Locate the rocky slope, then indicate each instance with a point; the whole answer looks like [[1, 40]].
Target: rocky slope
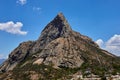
[[60, 47]]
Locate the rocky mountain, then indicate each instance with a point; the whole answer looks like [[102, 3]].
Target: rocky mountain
[[58, 49]]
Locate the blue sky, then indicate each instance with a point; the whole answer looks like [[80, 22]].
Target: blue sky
[[23, 20]]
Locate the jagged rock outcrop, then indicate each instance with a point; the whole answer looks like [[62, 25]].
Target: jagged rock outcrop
[[60, 47], [17, 55], [59, 27]]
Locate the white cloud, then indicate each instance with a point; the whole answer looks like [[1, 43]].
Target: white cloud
[[11, 27], [22, 2], [112, 45], [100, 42]]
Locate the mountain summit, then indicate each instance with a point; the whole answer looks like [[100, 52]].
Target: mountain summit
[[59, 48], [58, 27]]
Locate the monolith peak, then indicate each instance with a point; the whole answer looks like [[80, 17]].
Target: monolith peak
[[58, 27], [59, 53]]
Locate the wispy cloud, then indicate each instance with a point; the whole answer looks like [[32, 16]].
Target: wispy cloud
[[22, 2], [37, 9], [11, 27], [112, 45]]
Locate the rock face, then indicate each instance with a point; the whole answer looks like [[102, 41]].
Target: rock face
[[60, 47], [55, 29], [17, 55]]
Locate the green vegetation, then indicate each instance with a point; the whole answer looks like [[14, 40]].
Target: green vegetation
[[45, 72]]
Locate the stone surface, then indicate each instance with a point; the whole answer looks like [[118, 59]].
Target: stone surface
[[38, 61], [17, 55]]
